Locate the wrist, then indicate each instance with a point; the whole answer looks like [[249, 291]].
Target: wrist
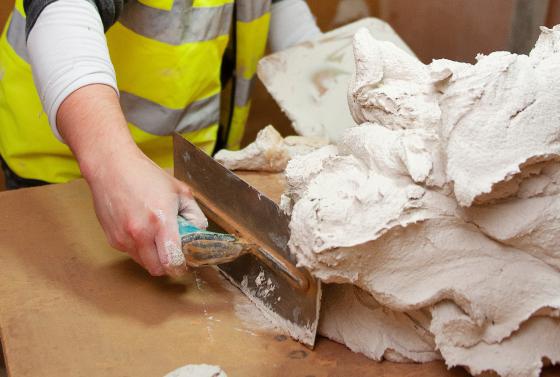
[[106, 157]]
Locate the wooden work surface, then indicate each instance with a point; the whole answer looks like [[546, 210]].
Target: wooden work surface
[[72, 306]]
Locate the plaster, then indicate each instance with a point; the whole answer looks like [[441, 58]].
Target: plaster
[[441, 207]]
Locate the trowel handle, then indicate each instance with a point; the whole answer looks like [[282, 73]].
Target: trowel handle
[[204, 248]]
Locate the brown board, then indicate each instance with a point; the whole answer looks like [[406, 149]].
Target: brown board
[[72, 306]]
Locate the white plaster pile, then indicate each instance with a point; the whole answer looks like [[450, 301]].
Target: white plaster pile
[[269, 152], [198, 370], [439, 215]]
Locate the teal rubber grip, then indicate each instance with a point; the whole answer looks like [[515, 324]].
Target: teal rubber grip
[[189, 232], [185, 227]]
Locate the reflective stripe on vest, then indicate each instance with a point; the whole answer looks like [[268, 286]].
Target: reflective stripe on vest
[[182, 24], [243, 89], [16, 35], [251, 10], [159, 120]]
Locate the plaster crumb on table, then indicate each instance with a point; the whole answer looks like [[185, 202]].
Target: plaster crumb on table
[[198, 370]]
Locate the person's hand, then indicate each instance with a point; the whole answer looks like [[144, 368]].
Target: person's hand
[[137, 205], [136, 202]]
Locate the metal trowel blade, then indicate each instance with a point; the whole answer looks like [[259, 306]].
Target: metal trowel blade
[[288, 295]]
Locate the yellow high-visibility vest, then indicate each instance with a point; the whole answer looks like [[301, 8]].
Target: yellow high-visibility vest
[[167, 56]]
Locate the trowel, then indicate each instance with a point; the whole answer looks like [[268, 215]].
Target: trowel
[[250, 246]]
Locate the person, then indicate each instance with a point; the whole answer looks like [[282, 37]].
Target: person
[[114, 79]]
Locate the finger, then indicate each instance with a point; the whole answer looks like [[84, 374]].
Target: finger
[[148, 255], [118, 240], [169, 247], [190, 211], [133, 253], [123, 244]]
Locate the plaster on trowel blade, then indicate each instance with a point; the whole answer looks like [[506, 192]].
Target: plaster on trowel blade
[[240, 209]]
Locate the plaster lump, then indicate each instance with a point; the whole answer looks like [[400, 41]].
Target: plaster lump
[[438, 215], [269, 152]]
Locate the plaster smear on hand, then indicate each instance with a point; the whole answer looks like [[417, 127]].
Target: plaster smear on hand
[[442, 205], [269, 152]]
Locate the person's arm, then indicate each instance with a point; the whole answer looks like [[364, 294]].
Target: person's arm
[[291, 23], [136, 202]]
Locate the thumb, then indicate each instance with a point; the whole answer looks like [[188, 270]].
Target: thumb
[[191, 212]]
